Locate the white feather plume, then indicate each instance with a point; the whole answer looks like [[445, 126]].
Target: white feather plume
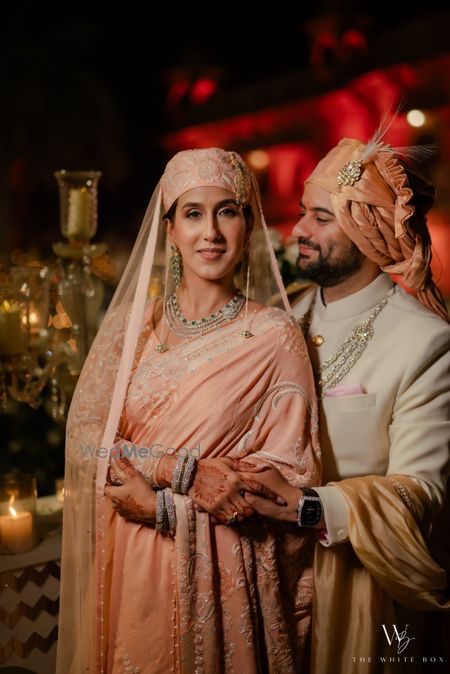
[[416, 153], [410, 154], [375, 144]]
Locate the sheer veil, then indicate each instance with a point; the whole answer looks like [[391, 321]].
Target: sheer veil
[[94, 418]]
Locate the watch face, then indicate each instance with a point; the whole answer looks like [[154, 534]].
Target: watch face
[[310, 511]]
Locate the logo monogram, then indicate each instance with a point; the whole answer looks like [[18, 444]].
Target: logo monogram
[[401, 637]]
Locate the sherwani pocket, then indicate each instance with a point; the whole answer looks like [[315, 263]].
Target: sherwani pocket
[[352, 436]]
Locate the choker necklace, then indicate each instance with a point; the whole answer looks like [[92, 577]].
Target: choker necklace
[[339, 364], [188, 329]]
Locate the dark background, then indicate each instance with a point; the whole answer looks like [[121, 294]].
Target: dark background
[[85, 86]]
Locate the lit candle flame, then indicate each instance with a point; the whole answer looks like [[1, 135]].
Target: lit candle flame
[[11, 509], [34, 318]]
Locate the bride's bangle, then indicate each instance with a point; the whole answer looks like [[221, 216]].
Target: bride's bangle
[[183, 473], [189, 473], [165, 512]]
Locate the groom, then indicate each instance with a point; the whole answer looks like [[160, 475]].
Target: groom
[[382, 362], [381, 356]]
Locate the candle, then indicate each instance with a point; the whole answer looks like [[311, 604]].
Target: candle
[[12, 333], [79, 215], [35, 318], [16, 531]]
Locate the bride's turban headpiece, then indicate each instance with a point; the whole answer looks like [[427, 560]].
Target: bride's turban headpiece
[[212, 167]]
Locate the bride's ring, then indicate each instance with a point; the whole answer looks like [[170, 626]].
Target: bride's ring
[[114, 479], [232, 518]]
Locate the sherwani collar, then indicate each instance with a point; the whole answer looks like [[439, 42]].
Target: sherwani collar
[[354, 304]]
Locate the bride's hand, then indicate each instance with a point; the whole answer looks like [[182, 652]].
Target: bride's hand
[[218, 488], [134, 499]]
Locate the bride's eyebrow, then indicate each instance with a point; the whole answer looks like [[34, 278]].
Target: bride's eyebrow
[[196, 204], [226, 202]]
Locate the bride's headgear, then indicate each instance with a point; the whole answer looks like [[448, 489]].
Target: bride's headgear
[[381, 204], [212, 167]]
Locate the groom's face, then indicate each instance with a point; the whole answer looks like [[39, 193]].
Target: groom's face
[[326, 254]]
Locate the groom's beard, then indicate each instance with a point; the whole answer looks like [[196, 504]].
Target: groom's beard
[[329, 268]]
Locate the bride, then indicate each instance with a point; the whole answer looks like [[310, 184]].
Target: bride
[[165, 566]]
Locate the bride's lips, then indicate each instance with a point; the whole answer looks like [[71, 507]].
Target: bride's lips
[[211, 253]]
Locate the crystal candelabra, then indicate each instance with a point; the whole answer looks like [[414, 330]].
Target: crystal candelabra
[[24, 335], [48, 317], [80, 292]]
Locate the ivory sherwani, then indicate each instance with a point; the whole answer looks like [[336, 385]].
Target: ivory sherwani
[[401, 423]]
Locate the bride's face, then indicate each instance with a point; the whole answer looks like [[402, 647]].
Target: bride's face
[[209, 228]]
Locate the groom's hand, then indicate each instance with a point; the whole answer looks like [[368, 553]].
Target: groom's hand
[[275, 482]]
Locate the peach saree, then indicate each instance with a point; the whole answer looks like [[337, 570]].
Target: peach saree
[[215, 598]]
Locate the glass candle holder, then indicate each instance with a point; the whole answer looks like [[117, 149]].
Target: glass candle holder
[[14, 315], [78, 203], [17, 513], [34, 285]]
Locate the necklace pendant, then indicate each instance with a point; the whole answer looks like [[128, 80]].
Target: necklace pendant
[[160, 348], [317, 340], [246, 334]]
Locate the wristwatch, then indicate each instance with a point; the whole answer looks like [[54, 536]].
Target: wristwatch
[[309, 511]]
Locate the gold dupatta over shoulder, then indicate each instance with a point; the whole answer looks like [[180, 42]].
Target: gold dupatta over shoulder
[[384, 578]]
